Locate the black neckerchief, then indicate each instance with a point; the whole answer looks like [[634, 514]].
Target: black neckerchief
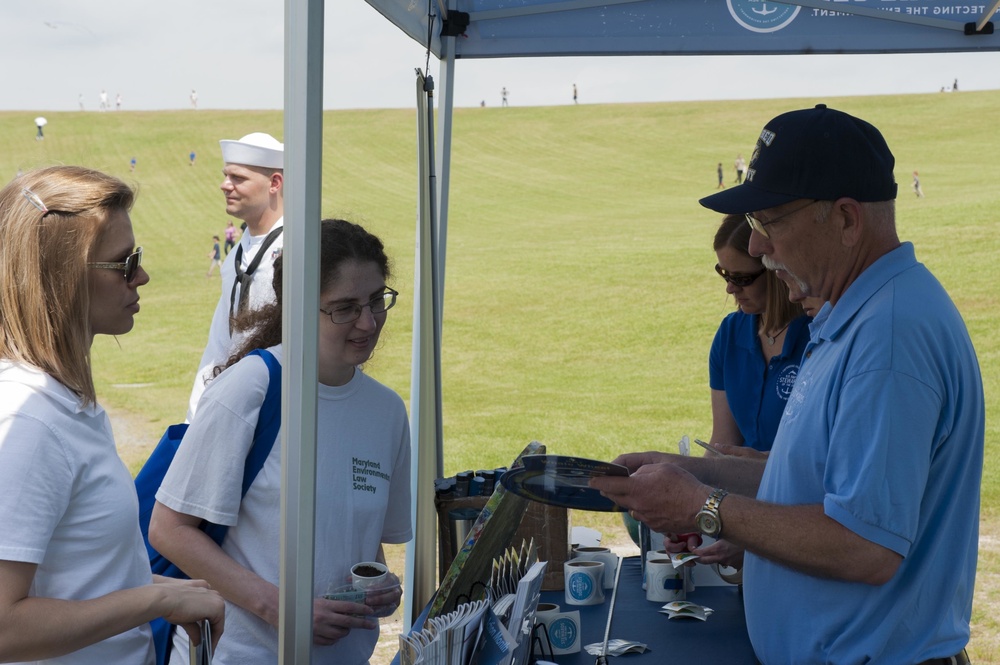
[[245, 277]]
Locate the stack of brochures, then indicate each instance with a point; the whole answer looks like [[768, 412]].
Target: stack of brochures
[[496, 630]]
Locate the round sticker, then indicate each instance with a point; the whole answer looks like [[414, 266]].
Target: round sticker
[[562, 633]]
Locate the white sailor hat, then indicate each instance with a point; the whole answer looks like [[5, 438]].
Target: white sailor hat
[[257, 149]]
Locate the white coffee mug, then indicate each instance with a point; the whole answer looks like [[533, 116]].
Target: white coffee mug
[[368, 575], [605, 556], [584, 582], [664, 583]]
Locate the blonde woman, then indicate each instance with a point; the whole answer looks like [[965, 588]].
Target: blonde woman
[[75, 583]]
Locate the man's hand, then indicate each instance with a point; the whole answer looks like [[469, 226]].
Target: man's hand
[[662, 495]]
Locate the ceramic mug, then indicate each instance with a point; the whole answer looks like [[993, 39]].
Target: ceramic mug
[[664, 583], [584, 582], [368, 575], [605, 556]]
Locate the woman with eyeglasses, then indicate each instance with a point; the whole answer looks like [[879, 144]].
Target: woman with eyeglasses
[[362, 468], [75, 582], [756, 352]]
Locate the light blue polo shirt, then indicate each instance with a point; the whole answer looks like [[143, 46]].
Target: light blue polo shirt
[[885, 429]]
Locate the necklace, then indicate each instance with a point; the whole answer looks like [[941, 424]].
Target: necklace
[[771, 338]]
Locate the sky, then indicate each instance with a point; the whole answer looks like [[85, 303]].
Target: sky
[[60, 53]]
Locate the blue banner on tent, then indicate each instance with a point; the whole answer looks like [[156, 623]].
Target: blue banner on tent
[[500, 28]]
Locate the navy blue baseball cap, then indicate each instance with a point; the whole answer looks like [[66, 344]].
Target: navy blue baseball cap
[[818, 153]]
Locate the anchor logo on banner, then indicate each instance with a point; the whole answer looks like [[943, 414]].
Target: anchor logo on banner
[[762, 16]]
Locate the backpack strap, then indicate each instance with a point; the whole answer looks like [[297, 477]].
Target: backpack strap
[[268, 421], [264, 435]]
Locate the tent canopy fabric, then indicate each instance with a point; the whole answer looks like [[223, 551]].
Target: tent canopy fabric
[[508, 28]]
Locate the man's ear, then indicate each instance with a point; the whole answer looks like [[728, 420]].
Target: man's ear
[[277, 181], [850, 216]]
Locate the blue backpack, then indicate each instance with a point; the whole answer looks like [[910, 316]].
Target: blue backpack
[[148, 480]]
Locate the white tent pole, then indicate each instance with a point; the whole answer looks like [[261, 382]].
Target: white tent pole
[[446, 101], [425, 393], [303, 137], [425, 426]]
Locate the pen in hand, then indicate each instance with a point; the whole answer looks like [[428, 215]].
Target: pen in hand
[[707, 447]]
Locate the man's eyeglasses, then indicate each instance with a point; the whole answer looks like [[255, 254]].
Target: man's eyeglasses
[[130, 266], [758, 225], [740, 279], [350, 312]]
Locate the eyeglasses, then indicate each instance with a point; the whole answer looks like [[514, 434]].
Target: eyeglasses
[[130, 265], [740, 279], [758, 225], [350, 312]]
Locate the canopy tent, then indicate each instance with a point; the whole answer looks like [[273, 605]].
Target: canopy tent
[[455, 29]]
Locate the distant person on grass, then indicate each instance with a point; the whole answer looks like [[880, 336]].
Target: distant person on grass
[[214, 255], [74, 573], [253, 185], [231, 234], [740, 165], [718, 172], [872, 488]]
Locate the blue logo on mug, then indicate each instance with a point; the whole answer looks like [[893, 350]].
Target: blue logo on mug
[[580, 586]]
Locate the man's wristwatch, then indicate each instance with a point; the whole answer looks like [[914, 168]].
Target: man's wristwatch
[[708, 520]]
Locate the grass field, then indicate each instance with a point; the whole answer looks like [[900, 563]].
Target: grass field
[[580, 296]]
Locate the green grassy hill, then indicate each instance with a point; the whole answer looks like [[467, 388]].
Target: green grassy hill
[[580, 293], [580, 296]]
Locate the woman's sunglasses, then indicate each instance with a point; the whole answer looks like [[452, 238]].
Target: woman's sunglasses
[[740, 279], [130, 266]]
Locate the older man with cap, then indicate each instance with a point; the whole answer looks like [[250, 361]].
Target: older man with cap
[[253, 184], [861, 529]]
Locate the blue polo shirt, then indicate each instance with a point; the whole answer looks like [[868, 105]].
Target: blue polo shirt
[[756, 390], [885, 430]]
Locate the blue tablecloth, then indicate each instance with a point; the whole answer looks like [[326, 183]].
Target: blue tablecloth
[[721, 640]]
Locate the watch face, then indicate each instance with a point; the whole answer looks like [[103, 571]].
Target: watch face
[[708, 524]]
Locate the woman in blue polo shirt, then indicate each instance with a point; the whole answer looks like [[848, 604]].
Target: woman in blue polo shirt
[[756, 352]]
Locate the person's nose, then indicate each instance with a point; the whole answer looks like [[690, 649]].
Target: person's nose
[[759, 245], [731, 288], [225, 185], [141, 278], [367, 319]]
